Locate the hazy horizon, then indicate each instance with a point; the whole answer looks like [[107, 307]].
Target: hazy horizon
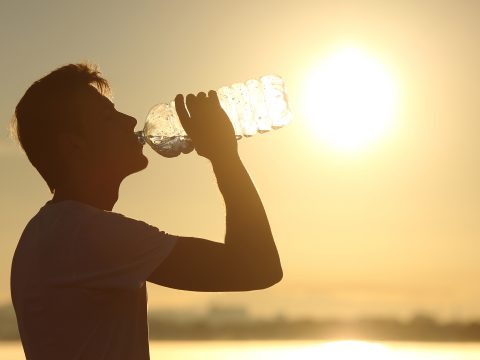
[[390, 229]]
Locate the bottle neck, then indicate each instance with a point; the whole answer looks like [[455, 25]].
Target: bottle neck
[[140, 137]]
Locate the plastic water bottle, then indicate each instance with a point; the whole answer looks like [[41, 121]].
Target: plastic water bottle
[[256, 106]]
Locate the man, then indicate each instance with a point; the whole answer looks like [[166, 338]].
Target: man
[[79, 270]]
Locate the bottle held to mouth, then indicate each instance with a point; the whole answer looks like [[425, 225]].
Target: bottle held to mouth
[[254, 107]]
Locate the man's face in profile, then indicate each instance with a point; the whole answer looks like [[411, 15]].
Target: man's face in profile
[[108, 145]]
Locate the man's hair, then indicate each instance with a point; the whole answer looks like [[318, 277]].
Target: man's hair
[[47, 108]]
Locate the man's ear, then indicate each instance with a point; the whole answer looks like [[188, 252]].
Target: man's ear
[[69, 144]]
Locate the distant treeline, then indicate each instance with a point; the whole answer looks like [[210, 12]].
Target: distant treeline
[[419, 328]]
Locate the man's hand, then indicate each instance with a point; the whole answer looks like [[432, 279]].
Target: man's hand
[[208, 125]]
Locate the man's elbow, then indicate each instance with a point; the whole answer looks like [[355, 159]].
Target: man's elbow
[[276, 278], [269, 279]]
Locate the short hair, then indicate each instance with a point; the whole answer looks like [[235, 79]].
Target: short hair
[[48, 107]]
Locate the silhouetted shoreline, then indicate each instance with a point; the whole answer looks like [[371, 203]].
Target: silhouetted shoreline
[[234, 323], [417, 329]]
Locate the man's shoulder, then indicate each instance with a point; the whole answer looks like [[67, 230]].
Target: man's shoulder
[[73, 219], [65, 208], [54, 219]]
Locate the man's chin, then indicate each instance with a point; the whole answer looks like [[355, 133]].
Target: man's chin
[[143, 163], [140, 164]]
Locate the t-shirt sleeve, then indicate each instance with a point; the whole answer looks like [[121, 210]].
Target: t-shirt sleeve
[[113, 251]]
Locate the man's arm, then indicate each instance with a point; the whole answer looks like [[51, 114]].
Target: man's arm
[[248, 259]]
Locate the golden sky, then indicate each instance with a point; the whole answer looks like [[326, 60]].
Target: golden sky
[[390, 229]]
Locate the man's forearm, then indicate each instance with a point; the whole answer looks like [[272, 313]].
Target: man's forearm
[[248, 231]]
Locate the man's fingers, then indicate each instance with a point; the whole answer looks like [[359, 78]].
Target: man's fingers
[[180, 107], [191, 102], [201, 100], [212, 95], [182, 112]]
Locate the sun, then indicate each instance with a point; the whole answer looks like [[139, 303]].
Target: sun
[[350, 99]]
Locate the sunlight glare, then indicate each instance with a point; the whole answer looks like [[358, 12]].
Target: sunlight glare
[[352, 349], [350, 99]]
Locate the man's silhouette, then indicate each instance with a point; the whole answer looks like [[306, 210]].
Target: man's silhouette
[[79, 270]]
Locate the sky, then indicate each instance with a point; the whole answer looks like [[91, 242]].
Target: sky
[[390, 229]]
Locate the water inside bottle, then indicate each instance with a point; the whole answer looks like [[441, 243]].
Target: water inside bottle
[[170, 146]]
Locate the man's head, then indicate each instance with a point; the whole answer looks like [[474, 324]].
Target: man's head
[[68, 127]]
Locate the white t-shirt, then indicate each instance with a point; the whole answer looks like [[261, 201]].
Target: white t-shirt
[[78, 283]]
